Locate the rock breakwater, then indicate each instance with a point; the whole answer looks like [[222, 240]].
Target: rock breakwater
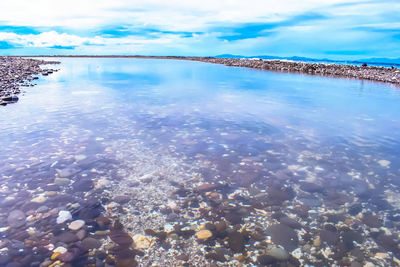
[[16, 72], [381, 74]]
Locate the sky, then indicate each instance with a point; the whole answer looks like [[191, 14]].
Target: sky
[[335, 29]]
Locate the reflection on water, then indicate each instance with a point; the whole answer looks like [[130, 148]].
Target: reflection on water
[[118, 162]]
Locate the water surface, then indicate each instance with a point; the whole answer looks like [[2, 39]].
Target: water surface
[[305, 162]]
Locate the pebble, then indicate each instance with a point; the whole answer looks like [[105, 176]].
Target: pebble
[[317, 242], [62, 181], [64, 216], [76, 225], [206, 187], [278, 253], [90, 243], [16, 218], [39, 199], [142, 241], [80, 157], [384, 163], [204, 234], [55, 255], [60, 249]]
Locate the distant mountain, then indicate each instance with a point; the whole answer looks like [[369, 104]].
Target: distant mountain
[[387, 62]]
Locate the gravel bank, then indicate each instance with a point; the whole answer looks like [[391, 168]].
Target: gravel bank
[[16, 72], [381, 74]]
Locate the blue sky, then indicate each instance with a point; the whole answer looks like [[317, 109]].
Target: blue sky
[[337, 29]]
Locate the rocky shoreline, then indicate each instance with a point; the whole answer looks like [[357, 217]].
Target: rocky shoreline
[[380, 74], [372, 73], [16, 72]]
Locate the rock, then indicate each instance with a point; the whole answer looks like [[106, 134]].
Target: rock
[[384, 163], [64, 216], [125, 262], [311, 187], [216, 257], [76, 225], [142, 241], [67, 237], [206, 187], [371, 220], [265, 260], [55, 255], [16, 218], [204, 234], [120, 237], [236, 242], [330, 237], [290, 222], [317, 242], [122, 199], [356, 264], [69, 171], [283, 235], [39, 199], [80, 157], [83, 185], [62, 181], [90, 243], [355, 209], [81, 234], [278, 253], [60, 249]]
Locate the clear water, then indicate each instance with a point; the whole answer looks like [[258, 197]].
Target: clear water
[[277, 145]]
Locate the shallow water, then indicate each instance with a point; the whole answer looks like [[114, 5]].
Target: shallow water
[[188, 143]]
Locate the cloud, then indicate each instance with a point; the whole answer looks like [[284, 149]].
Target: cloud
[[208, 27]]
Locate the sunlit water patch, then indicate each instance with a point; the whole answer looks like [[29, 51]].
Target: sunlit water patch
[[120, 162]]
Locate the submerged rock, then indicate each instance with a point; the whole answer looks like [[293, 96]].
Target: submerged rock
[[283, 235], [16, 218], [278, 253], [90, 243], [76, 225], [204, 234], [64, 216]]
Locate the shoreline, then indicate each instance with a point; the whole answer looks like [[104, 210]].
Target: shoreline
[[17, 72], [371, 73]]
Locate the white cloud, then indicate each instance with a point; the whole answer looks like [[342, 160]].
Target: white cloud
[[171, 15]]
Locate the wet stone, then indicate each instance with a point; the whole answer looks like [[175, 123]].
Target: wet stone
[[76, 225], [90, 243], [83, 185], [278, 253], [63, 216], [349, 237], [62, 181], [69, 171], [290, 222], [16, 218], [204, 234], [283, 235], [120, 237], [265, 260], [216, 256], [206, 187], [371, 220], [355, 209], [122, 199], [67, 237], [236, 242], [311, 187]]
